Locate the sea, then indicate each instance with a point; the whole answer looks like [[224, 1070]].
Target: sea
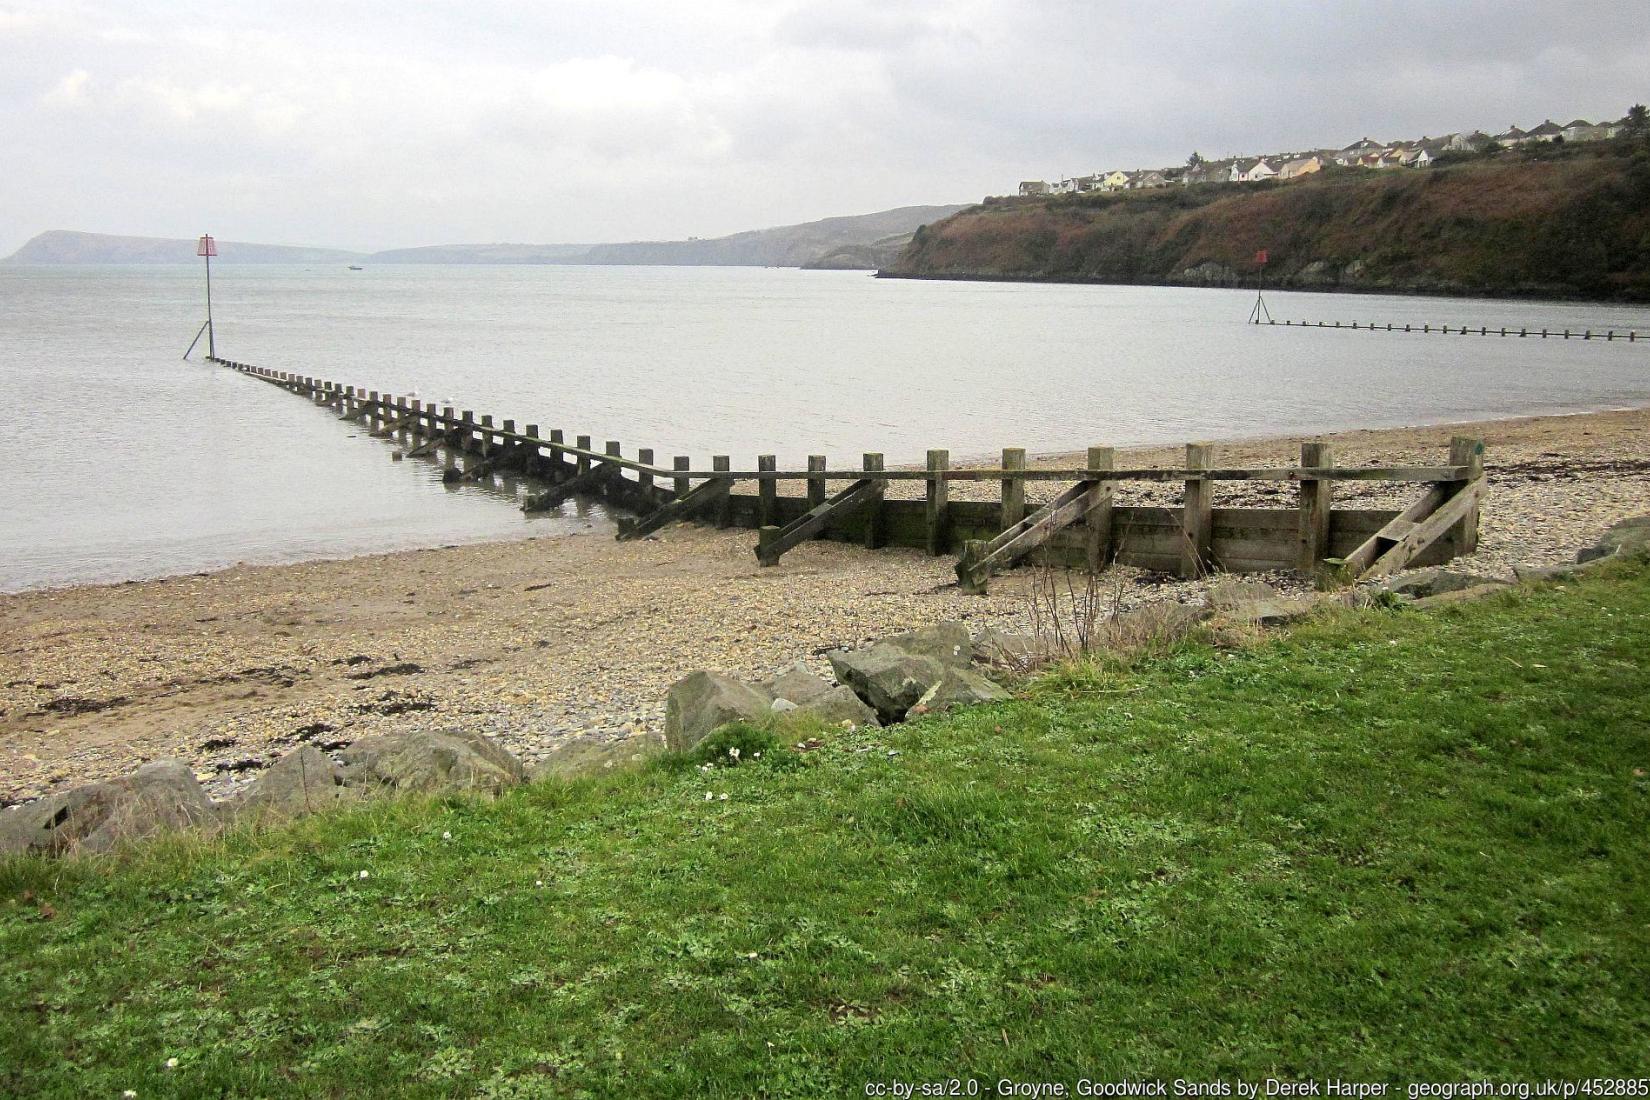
[[127, 461]]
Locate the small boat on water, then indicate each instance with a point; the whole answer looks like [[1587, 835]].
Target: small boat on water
[[355, 267]]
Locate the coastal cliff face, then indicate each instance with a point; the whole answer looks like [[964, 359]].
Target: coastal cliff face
[[1556, 222]]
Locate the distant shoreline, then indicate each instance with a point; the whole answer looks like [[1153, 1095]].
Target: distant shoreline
[[1534, 294]]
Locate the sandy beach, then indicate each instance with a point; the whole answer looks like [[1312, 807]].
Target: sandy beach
[[533, 641]]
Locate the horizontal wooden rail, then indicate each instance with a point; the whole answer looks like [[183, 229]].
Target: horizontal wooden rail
[[1144, 473]]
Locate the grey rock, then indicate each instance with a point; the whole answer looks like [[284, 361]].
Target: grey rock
[[1624, 537], [424, 760], [1273, 612], [839, 704], [782, 706], [704, 701], [1555, 572], [891, 680], [1010, 650], [161, 797], [1459, 595], [300, 783], [1434, 582], [947, 642], [1229, 592], [592, 754], [795, 684], [961, 687]]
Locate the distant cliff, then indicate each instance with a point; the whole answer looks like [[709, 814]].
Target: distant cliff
[[1551, 222], [62, 246], [784, 246], [863, 240]]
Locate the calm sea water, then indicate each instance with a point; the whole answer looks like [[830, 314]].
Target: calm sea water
[[126, 462]]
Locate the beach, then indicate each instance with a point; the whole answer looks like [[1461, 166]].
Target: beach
[[538, 640]]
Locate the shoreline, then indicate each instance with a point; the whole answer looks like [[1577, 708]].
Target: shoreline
[[1530, 294], [536, 640]]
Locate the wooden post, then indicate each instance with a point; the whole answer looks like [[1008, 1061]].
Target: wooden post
[[1197, 519], [534, 456], [1315, 502], [466, 429], [816, 485], [486, 435], [1014, 489], [873, 507], [1098, 520], [939, 499], [682, 462], [615, 451], [724, 509], [644, 478], [766, 490], [1468, 451], [583, 442]]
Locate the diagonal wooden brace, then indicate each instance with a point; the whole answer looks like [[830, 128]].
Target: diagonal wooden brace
[[1425, 532], [701, 496], [591, 479], [774, 541], [975, 567]]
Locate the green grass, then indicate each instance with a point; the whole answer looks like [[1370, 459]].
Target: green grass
[[1390, 845]]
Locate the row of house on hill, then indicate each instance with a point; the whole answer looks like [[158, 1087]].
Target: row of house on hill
[[1364, 153]]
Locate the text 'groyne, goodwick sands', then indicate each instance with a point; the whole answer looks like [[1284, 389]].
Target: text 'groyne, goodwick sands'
[[1081, 526]]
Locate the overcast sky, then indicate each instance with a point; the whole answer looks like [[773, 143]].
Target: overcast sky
[[377, 124]]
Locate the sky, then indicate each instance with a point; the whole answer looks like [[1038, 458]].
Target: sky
[[373, 124]]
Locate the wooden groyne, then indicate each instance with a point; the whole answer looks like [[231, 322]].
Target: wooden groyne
[[1608, 335], [1081, 527]]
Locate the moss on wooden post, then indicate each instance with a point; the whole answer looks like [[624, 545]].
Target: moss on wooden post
[[939, 494], [766, 491], [724, 506], [817, 491], [873, 506], [1316, 498], [1097, 521], [1197, 516], [1014, 488]]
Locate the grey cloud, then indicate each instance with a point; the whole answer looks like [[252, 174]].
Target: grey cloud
[[382, 124]]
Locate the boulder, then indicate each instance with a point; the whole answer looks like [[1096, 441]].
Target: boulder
[[1007, 649], [299, 783], [947, 642], [890, 679], [1562, 571], [960, 687], [593, 754], [704, 701], [839, 704], [161, 797], [1625, 537], [1459, 595], [1230, 592], [1434, 582], [796, 684], [424, 760]]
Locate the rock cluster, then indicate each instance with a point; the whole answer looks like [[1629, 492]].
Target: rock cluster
[[885, 682], [165, 797]]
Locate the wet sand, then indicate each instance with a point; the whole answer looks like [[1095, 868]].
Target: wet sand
[[533, 641]]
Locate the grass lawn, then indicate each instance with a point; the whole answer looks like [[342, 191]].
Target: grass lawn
[[1392, 845]]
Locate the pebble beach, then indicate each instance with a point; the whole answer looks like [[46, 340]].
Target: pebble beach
[[535, 641]]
